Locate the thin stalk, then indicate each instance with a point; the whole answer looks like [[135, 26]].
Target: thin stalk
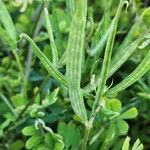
[[86, 137], [34, 33], [6, 101], [15, 125], [22, 73]]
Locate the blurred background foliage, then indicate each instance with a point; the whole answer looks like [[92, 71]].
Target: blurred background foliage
[[51, 103]]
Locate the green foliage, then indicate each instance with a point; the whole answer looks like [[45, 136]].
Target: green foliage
[[41, 139], [116, 124], [86, 85], [17, 145], [71, 135], [107, 56], [136, 146], [7, 22]]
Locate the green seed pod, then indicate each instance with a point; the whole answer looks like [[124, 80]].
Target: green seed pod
[[74, 59]]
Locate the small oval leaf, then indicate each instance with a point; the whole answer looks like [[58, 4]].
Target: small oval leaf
[[30, 130], [129, 114], [33, 141]]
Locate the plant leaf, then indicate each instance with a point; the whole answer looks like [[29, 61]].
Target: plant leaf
[[50, 99], [7, 39], [129, 114], [17, 145], [30, 130], [33, 141], [71, 135], [18, 100], [122, 126], [54, 141], [126, 144], [110, 134], [113, 104], [6, 20], [138, 145]]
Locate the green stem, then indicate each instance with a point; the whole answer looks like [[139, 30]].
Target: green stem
[[86, 137], [22, 73], [35, 31], [6, 101]]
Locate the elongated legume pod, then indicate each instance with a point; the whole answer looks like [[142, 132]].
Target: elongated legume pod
[[123, 55], [102, 31], [56, 28], [107, 57], [70, 7], [124, 51], [98, 47], [45, 61], [143, 67], [118, 60], [51, 38], [74, 59]]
